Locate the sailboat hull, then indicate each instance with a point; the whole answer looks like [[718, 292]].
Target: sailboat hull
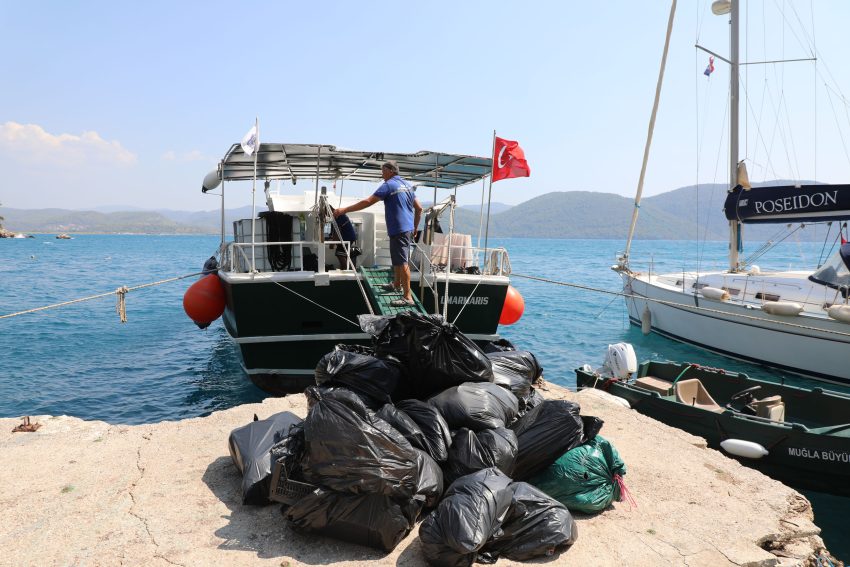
[[807, 344]]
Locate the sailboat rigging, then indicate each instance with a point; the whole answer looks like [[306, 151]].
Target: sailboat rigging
[[792, 320]]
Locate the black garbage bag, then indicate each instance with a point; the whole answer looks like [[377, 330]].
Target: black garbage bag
[[477, 406], [250, 447], [529, 402], [500, 345], [536, 526], [367, 519], [545, 433], [434, 353], [472, 510], [471, 451], [359, 349], [404, 424], [362, 373], [517, 363], [348, 448], [438, 436], [290, 451], [431, 481]]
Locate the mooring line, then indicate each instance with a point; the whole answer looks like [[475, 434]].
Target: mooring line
[[674, 304], [121, 292]]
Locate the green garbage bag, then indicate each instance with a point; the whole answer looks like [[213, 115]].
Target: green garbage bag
[[583, 478]]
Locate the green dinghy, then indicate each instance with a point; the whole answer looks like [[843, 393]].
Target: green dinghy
[[797, 435]]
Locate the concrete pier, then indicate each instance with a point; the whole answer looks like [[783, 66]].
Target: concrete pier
[[88, 493]]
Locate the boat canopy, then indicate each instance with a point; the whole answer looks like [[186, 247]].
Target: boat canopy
[[304, 161], [794, 203]]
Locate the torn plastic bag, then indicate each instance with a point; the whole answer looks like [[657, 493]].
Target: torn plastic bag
[[500, 345], [366, 519], [435, 354], [348, 448], [472, 510], [361, 373], [404, 424], [529, 402], [536, 526], [547, 432], [519, 363], [477, 406], [290, 451], [359, 349], [583, 478], [430, 482], [471, 451], [438, 436], [250, 447]]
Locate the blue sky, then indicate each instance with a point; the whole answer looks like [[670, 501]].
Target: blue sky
[[114, 103]]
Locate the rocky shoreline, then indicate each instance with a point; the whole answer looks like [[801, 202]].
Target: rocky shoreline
[[88, 493]]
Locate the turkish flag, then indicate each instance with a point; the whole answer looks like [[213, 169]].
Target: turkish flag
[[508, 160]]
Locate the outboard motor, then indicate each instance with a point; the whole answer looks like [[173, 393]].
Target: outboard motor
[[620, 362]]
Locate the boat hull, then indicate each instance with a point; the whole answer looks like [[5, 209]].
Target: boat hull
[[817, 347], [805, 457], [285, 323]]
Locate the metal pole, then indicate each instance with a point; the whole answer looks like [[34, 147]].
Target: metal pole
[[489, 200], [318, 160], [253, 192], [734, 225], [449, 264], [222, 217], [481, 214], [625, 260]]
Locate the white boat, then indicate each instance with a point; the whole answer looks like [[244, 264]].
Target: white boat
[[797, 321]]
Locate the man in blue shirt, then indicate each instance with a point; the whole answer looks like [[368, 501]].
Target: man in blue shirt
[[402, 212]]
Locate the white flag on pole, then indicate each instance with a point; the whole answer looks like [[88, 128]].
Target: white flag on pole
[[249, 142]]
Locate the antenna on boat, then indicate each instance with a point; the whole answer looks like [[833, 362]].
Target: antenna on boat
[[623, 261]]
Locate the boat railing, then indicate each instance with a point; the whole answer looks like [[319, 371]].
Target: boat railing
[[434, 258], [238, 257]]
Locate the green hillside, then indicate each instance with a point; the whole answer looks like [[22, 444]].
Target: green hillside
[[687, 213]]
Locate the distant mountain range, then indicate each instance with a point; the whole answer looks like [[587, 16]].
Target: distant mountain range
[[688, 213]]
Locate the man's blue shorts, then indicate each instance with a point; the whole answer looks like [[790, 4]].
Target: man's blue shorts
[[400, 248]]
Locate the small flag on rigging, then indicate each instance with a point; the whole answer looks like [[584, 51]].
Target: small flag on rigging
[[710, 69]]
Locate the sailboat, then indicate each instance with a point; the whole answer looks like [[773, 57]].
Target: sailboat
[[796, 321]]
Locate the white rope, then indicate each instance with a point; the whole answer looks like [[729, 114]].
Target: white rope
[[121, 292], [674, 304]]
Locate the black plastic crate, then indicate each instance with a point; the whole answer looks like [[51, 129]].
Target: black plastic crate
[[286, 490]]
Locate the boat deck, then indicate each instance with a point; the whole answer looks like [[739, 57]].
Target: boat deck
[[374, 279]]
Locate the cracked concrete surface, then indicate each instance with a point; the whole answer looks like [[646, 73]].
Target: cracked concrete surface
[[88, 493]]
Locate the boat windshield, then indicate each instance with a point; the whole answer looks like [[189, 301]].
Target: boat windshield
[[834, 273]]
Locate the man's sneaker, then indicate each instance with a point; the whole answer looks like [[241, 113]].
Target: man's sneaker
[[389, 287], [402, 302]]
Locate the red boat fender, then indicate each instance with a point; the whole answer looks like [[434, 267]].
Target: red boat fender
[[513, 307], [204, 301]]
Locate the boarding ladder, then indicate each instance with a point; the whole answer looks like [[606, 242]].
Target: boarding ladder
[[375, 279]]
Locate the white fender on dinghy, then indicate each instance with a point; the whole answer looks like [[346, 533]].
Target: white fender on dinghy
[[746, 449], [789, 308], [715, 293]]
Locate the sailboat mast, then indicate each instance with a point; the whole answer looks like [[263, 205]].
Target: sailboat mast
[[734, 103]]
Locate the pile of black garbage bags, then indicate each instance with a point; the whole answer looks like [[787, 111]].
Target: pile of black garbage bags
[[424, 425]]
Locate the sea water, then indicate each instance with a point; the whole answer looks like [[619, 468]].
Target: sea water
[[81, 360]]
